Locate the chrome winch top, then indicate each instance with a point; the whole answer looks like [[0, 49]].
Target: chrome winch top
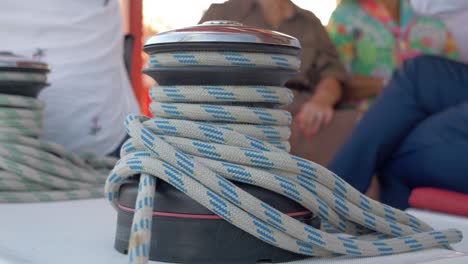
[[230, 34]]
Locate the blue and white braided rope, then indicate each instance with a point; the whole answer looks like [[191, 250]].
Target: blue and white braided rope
[[231, 59], [203, 137]]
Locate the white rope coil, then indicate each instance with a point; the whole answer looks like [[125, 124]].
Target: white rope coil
[[199, 144], [231, 59], [32, 170]]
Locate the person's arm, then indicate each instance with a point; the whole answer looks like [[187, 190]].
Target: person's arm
[[361, 87], [319, 109], [328, 91]]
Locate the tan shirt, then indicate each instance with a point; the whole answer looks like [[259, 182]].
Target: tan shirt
[[318, 55]]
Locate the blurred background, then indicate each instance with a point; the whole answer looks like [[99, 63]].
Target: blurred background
[[159, 17]]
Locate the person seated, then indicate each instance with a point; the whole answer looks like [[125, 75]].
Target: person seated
[[454, 13], [415, 134], [373, 38], [89, 94], [321, 72]]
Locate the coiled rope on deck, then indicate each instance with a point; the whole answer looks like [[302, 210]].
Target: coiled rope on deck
[[203, 137], [32, 170]]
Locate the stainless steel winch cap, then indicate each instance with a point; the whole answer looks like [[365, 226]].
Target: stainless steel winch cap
[[222, 34]]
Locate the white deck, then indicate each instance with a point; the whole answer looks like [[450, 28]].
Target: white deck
[[82, 232]]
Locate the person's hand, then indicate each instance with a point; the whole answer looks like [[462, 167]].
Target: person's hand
[[313, 115], [318, 111]]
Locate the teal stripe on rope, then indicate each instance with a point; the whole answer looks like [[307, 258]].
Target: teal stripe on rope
[[203, 137], [32, 170]]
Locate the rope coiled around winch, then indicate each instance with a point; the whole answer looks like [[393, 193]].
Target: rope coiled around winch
[[32, 170], [202, 137]]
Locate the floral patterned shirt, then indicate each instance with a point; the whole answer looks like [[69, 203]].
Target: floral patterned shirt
[[371, 43]]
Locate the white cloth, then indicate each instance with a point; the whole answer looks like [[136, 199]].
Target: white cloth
[[454, 13], [82, 41]]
